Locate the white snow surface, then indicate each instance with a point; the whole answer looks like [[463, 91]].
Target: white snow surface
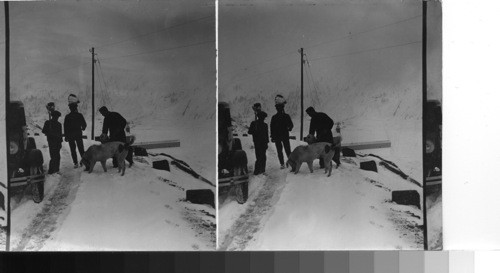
[[352, 209], [142, 210]]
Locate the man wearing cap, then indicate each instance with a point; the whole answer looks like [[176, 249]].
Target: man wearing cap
[[281, 125], [321, 125], [115, 124], [260, 134], [74, 124], [257, 108], [53, 130]]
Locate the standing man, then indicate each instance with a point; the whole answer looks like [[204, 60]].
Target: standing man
[[115, 124], [53, 130], [257, 108], [281, 125], [321, 125], [74, 124], [260, 134]]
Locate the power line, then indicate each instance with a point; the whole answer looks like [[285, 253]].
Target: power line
[[161, 50], [154, 32], [65, 69], [261, 62], [327, 42], [363, 32], [105, 94], [265, 72], [364, 51]]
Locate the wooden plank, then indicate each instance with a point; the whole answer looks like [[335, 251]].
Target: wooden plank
[[368, 145], [158, 144]]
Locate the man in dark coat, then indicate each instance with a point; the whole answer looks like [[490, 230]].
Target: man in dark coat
[[281, 125], [74, 124], [321, 126], [53, 130], [260, 133], [115, 124], [257, 108]]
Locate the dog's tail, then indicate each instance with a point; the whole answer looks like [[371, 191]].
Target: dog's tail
[[126, 145]]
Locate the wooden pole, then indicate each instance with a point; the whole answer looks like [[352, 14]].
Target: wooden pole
[[7, 101], [93, 103], [301, 93], [424, 108]]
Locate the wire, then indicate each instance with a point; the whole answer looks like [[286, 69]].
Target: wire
[[161, 50], [261, 62], [68, 68], [366, 31], [364, 51], [265, 72], [105, 96], [154, 32], [308, 69], [327, 42]]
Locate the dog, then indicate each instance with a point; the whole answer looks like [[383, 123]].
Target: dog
[[104, 139], [337, 144], [307, 153], [104, 152]]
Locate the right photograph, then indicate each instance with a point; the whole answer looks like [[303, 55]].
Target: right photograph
[[322, 132]]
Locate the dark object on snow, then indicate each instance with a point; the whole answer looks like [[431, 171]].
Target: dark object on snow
[[161, 165], [37, 134], [235, 134], [293, 137], [369, 166], [201, 197], [348, 152], [139, 151], [397, 171], [245, 134], [407, 197], [236, 144]]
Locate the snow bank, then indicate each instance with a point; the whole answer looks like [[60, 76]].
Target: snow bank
[[352, 209]]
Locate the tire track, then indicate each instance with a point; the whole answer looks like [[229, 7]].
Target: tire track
[[45, 222], [260, 208]]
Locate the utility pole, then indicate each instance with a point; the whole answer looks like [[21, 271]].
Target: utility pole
[[7, 102], [301, 93], [424, 108], [93, 104]]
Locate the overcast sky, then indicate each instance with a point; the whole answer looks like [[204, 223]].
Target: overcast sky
[[167, 44], [343, 40]]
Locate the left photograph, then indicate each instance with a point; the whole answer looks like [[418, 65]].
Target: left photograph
[[111, 125]]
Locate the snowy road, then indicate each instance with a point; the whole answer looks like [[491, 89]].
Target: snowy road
[[349, 210], [143, 210]]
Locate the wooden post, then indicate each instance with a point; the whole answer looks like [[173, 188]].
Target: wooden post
[[7, 101], [301, 93], [424, 108], [93, 104]]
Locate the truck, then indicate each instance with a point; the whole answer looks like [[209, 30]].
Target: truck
[[25, 161], [233, 162]]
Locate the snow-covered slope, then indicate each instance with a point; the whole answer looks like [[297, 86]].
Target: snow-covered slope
[[143, 210], [352, 209]]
